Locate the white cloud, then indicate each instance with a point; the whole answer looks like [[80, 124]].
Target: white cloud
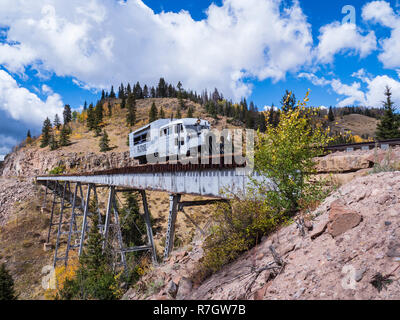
[[23, 105], [268, 108], [6, 143], [104, 42], [343, 38], [371, 95], [380, 12]]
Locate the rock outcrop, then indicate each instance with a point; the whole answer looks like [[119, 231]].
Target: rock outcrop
[[355, 236], [32, 162]]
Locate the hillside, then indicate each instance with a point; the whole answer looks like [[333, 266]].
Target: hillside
[[358, 124], [352, 238], [23, 227]]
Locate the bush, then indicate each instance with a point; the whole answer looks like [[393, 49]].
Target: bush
[[239, 225], [6, 284], [284, 158], [57, 170], [285, 155]]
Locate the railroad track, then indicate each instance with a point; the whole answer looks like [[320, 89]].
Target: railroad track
[[363, 145], [205, 163]]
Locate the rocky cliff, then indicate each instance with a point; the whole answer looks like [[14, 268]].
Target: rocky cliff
[[349, 250], [30, 162]]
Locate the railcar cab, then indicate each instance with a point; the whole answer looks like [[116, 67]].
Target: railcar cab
[[179, 136]]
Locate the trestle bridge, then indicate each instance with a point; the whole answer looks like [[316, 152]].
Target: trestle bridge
[[72, 195]]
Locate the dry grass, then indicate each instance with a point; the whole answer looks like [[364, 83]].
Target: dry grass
[[21, 248], [358, 124]]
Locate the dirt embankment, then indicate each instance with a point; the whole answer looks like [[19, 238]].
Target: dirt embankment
[[355, 237]]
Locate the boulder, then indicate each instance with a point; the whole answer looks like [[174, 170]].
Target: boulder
[[342, 219]]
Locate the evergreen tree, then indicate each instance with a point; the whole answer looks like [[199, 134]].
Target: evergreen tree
[[97, 131], [104, 142], [132, 221], [109, 109], [28, 134], [145, 92], [331, 116], [153, 113], [85, 106], [91, 118], [95, 278], [162, 113], [67, 114], [388, 127], [178, 113], [64, 136], [6, 284], [53, 143], [123, 103], [46, 133], [131, 115], [288, 101], [190, 112], [161, 91], [103, 95], [153, 92], [57, 122], [112, 93], [121, 91], [99, 112]]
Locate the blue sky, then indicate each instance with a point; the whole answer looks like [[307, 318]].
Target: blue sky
[[65, 52]]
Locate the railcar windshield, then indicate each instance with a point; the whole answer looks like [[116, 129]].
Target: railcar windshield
[[197, 127]]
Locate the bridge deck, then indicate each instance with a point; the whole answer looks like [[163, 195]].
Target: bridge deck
[[205, 180]]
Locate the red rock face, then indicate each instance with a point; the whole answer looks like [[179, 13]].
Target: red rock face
[[342, 219]]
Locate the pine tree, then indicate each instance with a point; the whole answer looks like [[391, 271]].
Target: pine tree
[[91, 118], [190, 112], [131, 115], [388, 127], [288, 101], [95, 278], [112, 93], [104, 142], [53, 143], [85, 106], [153, 113], [331, 116], [6, 284], [145, 92], [64, 136], [67, 114], [123, 103], [57, 122], [46, 132], [109, 109], [178, 113], [97, 131], [99, 112], [162, 113], [28, 137]]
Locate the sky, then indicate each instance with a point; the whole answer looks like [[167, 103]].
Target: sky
[[57, 52]]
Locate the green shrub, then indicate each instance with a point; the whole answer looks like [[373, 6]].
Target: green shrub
[[239, 225], [284, 158], [6, 284], [57, 170]]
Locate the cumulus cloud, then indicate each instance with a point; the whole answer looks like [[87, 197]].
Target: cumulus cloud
[[23, 105], [369, 92], [103, 42], [381, 12], [343, 38], [6, 143]]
